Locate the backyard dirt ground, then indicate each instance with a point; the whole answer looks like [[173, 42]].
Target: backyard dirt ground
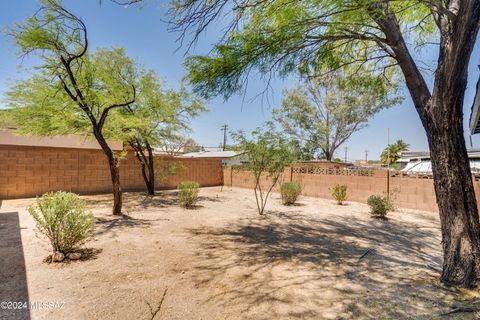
[[224, 261]]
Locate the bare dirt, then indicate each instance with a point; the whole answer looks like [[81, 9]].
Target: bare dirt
[[314, 260]]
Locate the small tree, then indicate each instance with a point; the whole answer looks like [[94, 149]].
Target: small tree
[[323, 114], [72, 89], [267, 154], [156, 116]]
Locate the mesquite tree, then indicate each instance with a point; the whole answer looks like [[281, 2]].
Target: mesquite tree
[[283, 36], [266, 154], [323, 114], [71, 87], [158, 115]]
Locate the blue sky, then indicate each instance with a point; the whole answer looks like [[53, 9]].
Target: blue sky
[[146, 38]]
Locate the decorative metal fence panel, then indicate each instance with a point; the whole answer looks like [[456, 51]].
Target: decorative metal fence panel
[[334, 171]]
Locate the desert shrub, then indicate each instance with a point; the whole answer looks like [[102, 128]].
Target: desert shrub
[[290, 192], [340, 193], [188, 193], [63, 219], [379, 206]]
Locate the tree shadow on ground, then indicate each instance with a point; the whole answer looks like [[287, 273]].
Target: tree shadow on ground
[[134, 201], [13, 283], [112, 224], [138, 201], [293, 266]]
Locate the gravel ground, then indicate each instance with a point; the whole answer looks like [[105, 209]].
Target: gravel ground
[[314, 260]]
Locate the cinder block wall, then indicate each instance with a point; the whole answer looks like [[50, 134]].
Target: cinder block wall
[[30, 171], [413, 193]]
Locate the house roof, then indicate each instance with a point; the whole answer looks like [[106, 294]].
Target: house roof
[[211, 154], [425, 166], [419, 155], [475, 114]]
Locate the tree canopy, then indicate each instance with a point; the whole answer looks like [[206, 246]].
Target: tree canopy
[[313, 37], [40, 106], [323, 114], [392, 153]]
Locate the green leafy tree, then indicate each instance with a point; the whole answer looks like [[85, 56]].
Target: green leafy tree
[[267, 154], [286, 36], [157, 116], [323, 114], [393, 152], [72, 88]]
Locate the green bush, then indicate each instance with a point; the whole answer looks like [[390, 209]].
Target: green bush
[[290, 192], [379, 206], [340, 193], [188, 193], [63, 219]]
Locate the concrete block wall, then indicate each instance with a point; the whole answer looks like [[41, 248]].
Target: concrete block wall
[[27, 171], [412, 192]]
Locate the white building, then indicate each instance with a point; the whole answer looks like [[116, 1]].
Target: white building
[[415, 162], [227, 157]]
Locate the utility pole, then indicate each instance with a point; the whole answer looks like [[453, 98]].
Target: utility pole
[[366, 156], [346, 150], [224, 129]]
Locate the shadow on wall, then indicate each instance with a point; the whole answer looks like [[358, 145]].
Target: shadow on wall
[[292, 266], [13, 277]]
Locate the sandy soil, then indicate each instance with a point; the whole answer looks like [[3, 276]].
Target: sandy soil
[[224, 261]]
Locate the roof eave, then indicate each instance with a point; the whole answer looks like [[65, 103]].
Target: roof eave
[[475, 114]]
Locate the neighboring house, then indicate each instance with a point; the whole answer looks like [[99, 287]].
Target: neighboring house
[[171, 150], [475, 114], [227, 157], [418, 162], [325, 164], [163, 152], [369, 165]]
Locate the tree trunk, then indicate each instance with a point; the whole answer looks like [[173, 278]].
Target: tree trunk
[[457, 208], [117, 188], [146, 164], [454, 191], [151, 171], [443, 120], [442, 117], [114, 172]]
